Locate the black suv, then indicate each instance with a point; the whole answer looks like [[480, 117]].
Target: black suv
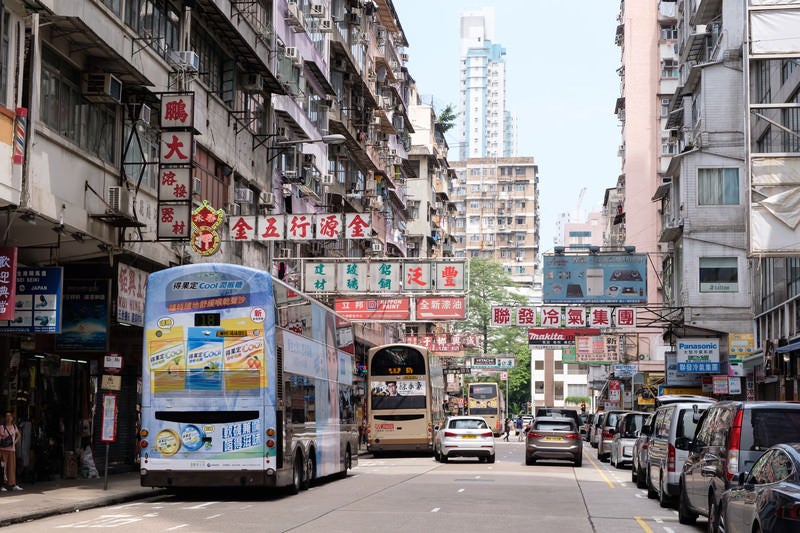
[[730, 436]]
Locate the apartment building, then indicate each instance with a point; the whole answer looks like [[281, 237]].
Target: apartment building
[[485, 127], [90, 94]]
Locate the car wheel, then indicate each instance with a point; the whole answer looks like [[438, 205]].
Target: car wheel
[[529, 460], [685, 516], [309, 471], [652, 493], [611, 460], [297, 474], [436, 455], [721, 519], [579, 461], [640, 481], [713, 516], [443, 457], [348, 463], [663, 498], [490, 459], [634, 473]]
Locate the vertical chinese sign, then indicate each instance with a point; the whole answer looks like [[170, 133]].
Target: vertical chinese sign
[[8, 282], [175, 166]]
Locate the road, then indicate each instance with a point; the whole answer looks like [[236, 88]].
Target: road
[[408, 494]]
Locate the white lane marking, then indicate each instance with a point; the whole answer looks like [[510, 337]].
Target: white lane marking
[[460, 490], [177, 527], [200, 506], [213, 516], [126, 505], [150, 515], [106, 521], [435, 510]]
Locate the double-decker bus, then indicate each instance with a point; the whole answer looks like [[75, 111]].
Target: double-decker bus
[[245, 382], [406, 398], [486, 400]]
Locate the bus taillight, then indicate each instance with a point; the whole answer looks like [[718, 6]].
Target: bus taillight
[[143, 433], [143, 444], [270, 432], [270, 443]]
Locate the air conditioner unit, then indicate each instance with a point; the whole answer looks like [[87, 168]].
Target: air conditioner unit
[[392, 152], [280, 133], [252, 82], [354, 18], [145, 113], [291, 52], [186, 60], [376, 121], [325, 26], [269, 199], [316, 10], [196, 185], [243, 195], [404, 57], [309, 160], [234, 210], [377, 246], [290, 175], [412, 246], [118, 199], [102, 88], [327, 179], [380, 34]]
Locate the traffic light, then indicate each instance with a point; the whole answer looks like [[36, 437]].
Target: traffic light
[[583, 406]]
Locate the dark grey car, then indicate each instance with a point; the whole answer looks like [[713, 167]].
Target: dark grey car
[[553, 438]]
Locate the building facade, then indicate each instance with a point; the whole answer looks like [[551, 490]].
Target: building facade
[[87, 90]]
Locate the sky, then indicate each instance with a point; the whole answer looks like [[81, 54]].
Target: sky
[[562, 85]]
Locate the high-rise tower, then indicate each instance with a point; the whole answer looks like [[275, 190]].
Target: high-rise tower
[[485, 127]]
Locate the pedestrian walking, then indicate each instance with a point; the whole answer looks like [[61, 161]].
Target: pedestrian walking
[[519, 428], [509, 425], [9, 436]]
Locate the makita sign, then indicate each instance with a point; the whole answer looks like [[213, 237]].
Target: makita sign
[[547, 337]]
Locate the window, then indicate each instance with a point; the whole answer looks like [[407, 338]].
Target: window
[[665, 107], [558, 367], [538, 387], [558, 390], [538, 364], [669, 69], [718, 186], [719, 274], [669, 32], [63, 109], [157, 19]]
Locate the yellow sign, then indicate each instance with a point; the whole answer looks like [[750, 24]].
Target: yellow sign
[[110, 382], [740, 345]]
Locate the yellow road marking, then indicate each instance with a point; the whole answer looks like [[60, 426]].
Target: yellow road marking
[[642, 524], [602, 474]]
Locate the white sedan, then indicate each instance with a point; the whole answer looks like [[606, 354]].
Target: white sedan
[[464, 436]]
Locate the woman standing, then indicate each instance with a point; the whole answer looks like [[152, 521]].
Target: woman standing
[[8, 454]]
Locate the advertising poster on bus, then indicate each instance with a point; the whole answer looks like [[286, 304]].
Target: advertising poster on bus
[[206, 353], [407, 392]]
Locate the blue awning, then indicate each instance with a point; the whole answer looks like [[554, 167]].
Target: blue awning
[[792, 346]]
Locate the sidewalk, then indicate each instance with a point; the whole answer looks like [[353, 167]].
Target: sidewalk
[[49, 498]]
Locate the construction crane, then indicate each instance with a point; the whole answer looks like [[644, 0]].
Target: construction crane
[[578, 205]]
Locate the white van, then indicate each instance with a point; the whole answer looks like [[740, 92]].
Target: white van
[[673, 430]]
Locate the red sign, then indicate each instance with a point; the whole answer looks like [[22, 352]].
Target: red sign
[[558, 337], [8, 281], [374, 309], [441, 308]]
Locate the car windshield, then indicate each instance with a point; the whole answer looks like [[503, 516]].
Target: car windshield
[[468, 424], [552, 426]]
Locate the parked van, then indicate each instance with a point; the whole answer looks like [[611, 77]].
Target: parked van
[[596, 428], [668, 447], [607, 431], [730, 436]]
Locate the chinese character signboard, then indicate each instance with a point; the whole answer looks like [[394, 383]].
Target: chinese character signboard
[[417, 277], [8, 282], [298, 227], [205, 221], [595, 279], [597, 349], [37, 307], [376, 275], [392, 309], [441, 308], [175, 166], [698, 355], [131, 284], [556, 338]]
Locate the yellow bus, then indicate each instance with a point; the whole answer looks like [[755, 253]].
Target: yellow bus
[[486, 400], [406, 398]]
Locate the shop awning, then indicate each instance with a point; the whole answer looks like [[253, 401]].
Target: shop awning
[[792, 346]]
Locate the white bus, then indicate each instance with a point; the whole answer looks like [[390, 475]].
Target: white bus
[[246, 382]]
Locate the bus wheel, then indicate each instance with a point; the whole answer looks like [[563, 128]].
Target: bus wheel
[[348, 463], [309, 470], [297, 473]]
